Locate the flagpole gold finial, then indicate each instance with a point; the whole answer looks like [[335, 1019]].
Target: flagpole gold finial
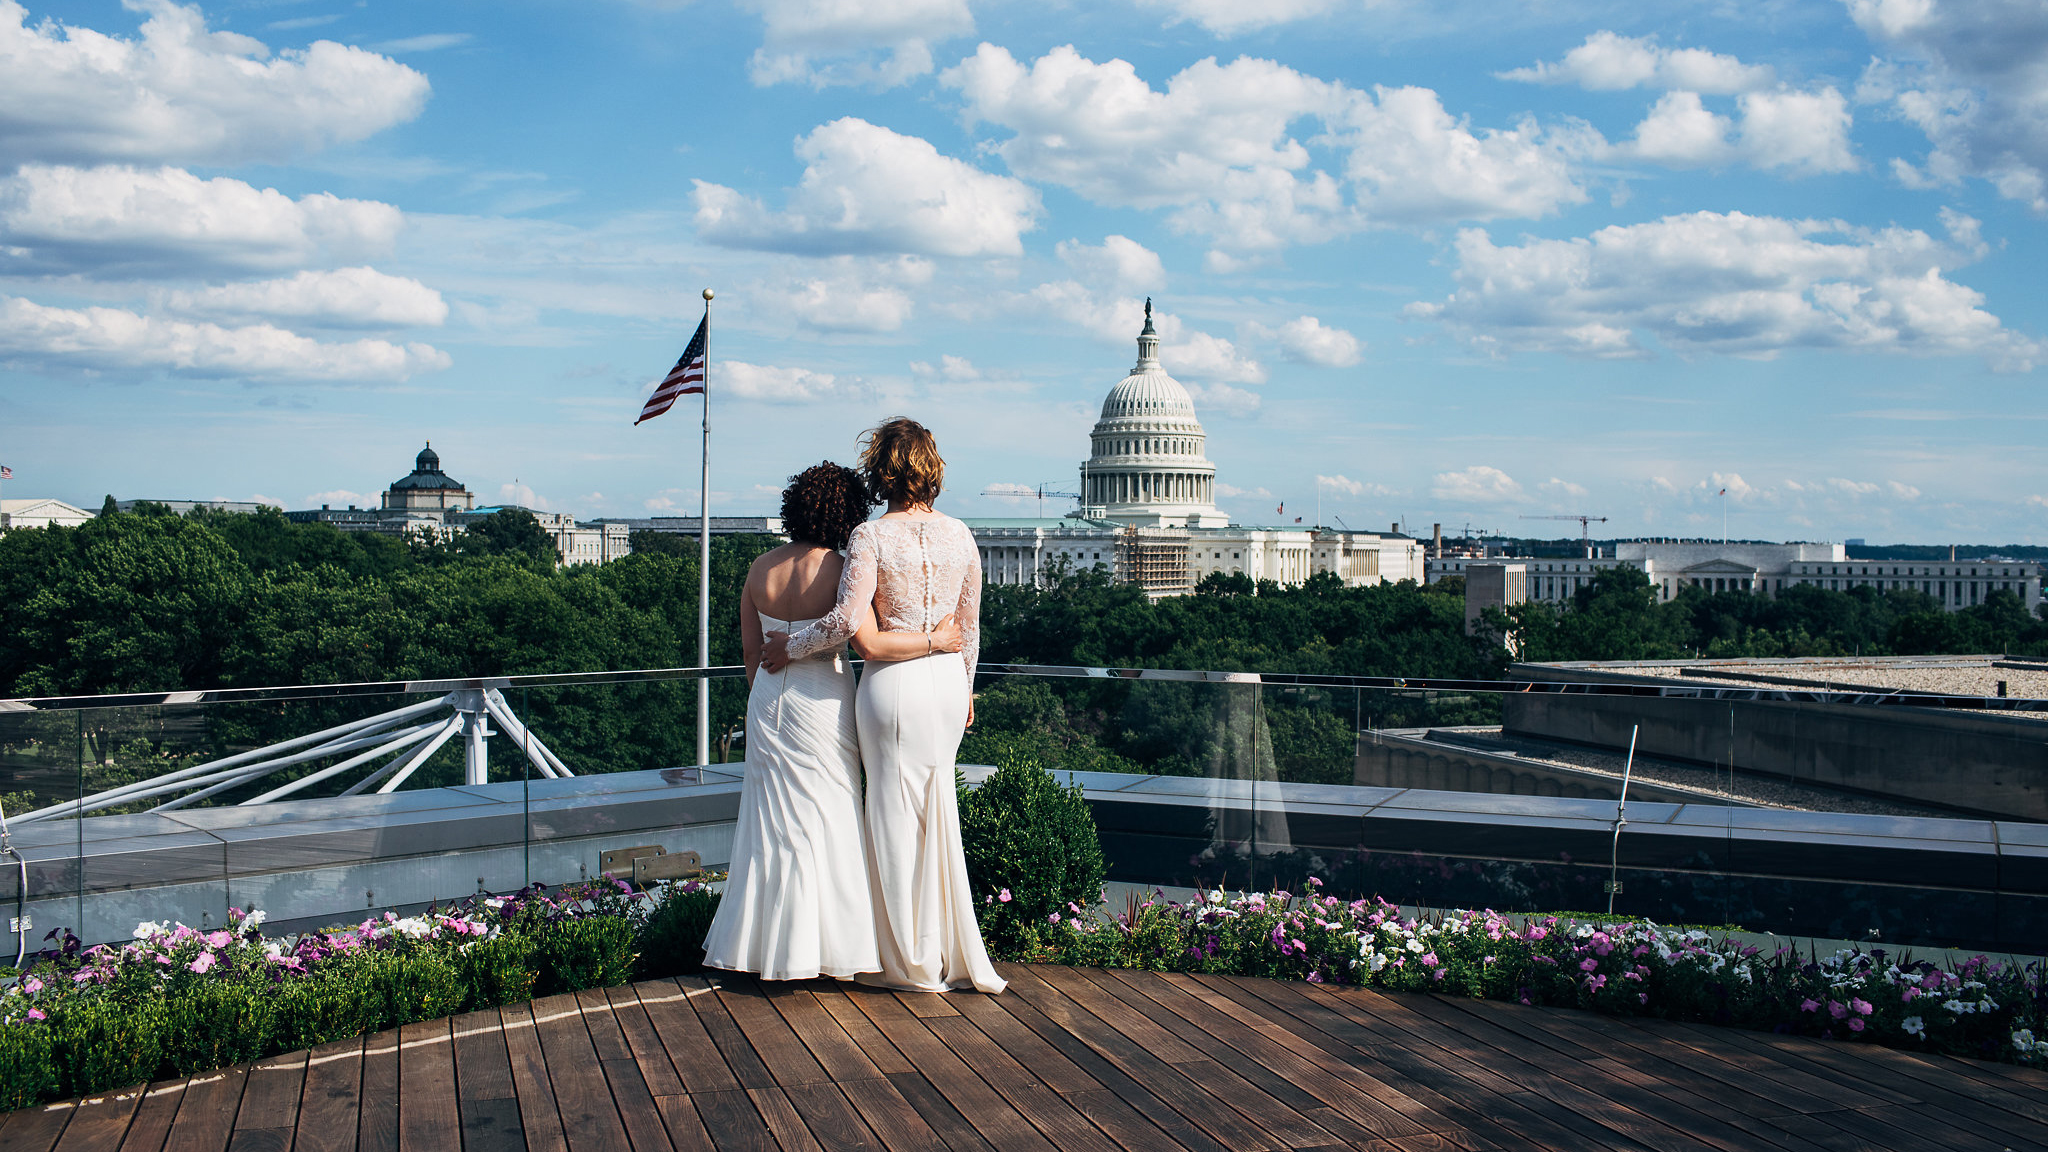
[[707, 294]]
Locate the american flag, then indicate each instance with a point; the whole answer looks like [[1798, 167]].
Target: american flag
[[686, 377], [6, 473]]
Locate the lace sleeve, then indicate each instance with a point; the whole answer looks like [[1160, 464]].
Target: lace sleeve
[[856, 590], [968, 614]]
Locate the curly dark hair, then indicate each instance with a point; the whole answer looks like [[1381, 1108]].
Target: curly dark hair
[[824, 504]]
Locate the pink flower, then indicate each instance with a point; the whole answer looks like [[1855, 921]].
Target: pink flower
[[1856, 1025], [81, 976], [31, 985], [1054, 918], [1861, 1006], [1596, 983], [1907, 993], [1588, 964], [1005, 897], [1642, 997], [204, 962], [36, 1014], [1809, 1005], [1429, 959], [217, 939], [1837, 1009]]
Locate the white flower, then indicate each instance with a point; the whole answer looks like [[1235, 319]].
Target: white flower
[[2023, 1041], [1376, 962], [1416, 947], [1216, 897], [149, 928], [255, 918], [1914, 1026]]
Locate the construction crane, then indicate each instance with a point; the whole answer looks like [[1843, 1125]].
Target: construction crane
[[1041, 491], [1585, 540]]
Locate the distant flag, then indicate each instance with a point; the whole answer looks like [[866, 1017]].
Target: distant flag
[[1281, 510], [686, 377], [1297, 519], [6, 473], [1722, 492]]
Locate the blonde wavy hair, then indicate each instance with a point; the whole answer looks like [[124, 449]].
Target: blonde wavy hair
[[901, 461]]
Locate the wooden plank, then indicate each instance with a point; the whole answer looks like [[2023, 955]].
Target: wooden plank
[[36, 1128], [828, 1043], [427, 1117], [927, 1005], [1192, 1100], [1957, 1077], [644, 1044], [734, 1122], [1441, 1060], [1048, 1111], [485, 1098], [1727, 1120], [984, 1108], [938, 1112], [377, 1118], [1136, 1096], [695, 1059], [1278, 1106], [605, 1033], [153, 1117], [1742, 1049], [861, 1030], [725, 1034], [590, 1119], [686, 1131], [831, 1118], [206, 1117], [2013, 1120], [890, 1117], [781, 1050], [271, 1099], [1366, 1102], [331, 1097], [99, 1122], [790, 1131], [260, 1140], [539, 1116]]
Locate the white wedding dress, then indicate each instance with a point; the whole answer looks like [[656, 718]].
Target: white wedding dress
[[797, 902], [912, 713]]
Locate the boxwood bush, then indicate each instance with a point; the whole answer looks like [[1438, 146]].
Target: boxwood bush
[[1033, 855]]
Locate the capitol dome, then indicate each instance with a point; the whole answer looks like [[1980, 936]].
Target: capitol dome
[[1146, 465]]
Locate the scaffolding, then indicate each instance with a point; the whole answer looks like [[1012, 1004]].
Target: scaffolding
[[1155, 559]]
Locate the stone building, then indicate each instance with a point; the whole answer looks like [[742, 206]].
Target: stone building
[[1148, 515]]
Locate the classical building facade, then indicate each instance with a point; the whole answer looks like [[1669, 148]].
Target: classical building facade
[[1148, 513], [427, 488]]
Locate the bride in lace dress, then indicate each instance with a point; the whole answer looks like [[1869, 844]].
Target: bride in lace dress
[[910, 567], [797, 903]]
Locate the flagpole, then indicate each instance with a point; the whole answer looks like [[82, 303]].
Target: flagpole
[[704, 558]]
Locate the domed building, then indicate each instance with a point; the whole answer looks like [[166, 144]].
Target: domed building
[[1148, 515], [1146, 465], [428, 488]]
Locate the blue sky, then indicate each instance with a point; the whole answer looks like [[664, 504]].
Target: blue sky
[[1458, 263]]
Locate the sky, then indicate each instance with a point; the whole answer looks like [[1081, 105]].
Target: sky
[[1459, 263]]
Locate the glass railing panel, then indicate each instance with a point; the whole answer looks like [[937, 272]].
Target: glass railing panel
[[42, 761]]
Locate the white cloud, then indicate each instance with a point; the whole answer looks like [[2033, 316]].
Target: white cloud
[[867, 189], [182, 94], [1218, 147], [1118, 263], [1226, 18], [108, 339], [1729, 283], [1853, 488], [1802, 133], [343, 497], [1344, 485], [773, 385], [1304, 339], [952, 370], [876, 43], [1609, 62], [1902, 491], [1011, 493], [1229, 492], [1973, 78], [431, 42], [521, 496], [833, 307], [116, 220], [1557, 487], [343, 298], [1478, 484], [1184, 352], [1223, 398]]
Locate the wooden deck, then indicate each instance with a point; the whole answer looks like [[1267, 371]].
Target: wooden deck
[[1071, 1059]]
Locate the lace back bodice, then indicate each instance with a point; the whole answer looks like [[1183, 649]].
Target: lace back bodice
[[915, 571]]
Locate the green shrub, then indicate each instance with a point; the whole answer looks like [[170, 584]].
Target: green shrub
[[28, 1075], [212, 1025], [590, 952], [1034, 842], [671, 940], [98, 1043], [415, 984], [329, 1005], [497, 971]]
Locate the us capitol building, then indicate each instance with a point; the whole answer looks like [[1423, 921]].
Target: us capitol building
[[1148, 514]]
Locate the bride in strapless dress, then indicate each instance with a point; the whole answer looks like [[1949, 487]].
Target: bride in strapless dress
[[797, 901], [907, 569]]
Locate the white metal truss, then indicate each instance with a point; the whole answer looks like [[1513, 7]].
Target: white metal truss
[[409, 736]]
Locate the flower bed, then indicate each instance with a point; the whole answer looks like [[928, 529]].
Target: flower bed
[[177, 1001], [1980, 1008]]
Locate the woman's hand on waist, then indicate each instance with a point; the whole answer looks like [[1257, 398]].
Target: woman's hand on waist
[[774, 651]]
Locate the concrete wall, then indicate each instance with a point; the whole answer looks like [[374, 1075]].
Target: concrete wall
[[1979, 763]]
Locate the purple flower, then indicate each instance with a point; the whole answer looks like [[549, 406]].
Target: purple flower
[[1005, 897], [1837, 1009], [1809, 1005], [1856, 1025], [1861, 1007], [1588, 964]]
